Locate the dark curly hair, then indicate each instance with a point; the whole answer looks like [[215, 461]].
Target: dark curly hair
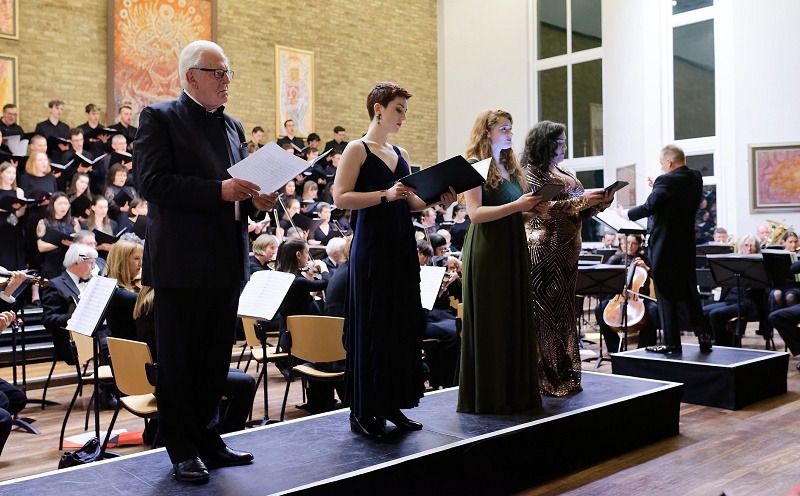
[[383, 94], [540, 144]]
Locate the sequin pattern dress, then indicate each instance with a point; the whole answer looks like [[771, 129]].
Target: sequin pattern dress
[[554, 242]]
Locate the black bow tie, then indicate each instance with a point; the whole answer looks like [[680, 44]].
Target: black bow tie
[[83, 280]]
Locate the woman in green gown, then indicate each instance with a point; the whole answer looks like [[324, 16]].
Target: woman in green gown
[[498, 349]]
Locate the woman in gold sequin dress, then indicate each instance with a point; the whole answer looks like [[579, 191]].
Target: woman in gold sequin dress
[[554, 241]]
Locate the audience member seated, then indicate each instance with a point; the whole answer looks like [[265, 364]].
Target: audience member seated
[[718, 314], [647, 335]]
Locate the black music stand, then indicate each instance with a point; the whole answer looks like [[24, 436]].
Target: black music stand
[[729, 270], [599, 280]]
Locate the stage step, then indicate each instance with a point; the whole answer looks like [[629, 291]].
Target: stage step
[[729, 378]]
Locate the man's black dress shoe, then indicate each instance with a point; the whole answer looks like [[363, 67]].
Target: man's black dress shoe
[[704, 340], [403, 422], [665, 348], [368, 427], [226, 457], [191, 470]]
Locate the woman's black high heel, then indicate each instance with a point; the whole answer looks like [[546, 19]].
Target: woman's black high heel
[[403, 422], [368, 427]]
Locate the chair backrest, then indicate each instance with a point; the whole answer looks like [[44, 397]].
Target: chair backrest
[[460, 310], [250, 332], [84, 345], [316, 338], [128, 359]]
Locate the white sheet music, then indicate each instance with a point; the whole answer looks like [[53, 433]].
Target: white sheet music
[[264, 293], [17, 145], [94, 300], [483, 167], [430, 281], [613, 220], [270, 167]]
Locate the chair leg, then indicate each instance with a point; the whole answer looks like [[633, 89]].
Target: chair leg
[[286, 393], [258, 382], [247, 364], [47, 382], [239, 362], [92, 398], [66, 416], [108, 433]]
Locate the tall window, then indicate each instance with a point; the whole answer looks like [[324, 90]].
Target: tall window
[[694, 99]]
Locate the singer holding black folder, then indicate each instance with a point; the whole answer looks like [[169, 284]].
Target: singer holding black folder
[[384, 321], [183, 150], [498, 350]]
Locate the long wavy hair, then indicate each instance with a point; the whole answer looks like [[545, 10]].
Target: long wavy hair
[[480, 147], [540, 144], [117, 266]]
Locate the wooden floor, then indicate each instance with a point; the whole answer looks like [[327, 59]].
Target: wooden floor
[[748, 452]]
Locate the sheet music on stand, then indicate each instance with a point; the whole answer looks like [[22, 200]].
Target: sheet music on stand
[[620, 224], [430, 281], [270, 167], [96, 296], [264, 293]]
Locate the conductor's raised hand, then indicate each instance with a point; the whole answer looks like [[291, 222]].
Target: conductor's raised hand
[[238, 189], [527, 202], [265, 202], [399, 192]]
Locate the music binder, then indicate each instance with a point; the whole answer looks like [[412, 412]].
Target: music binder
[[55, 237], [618, 223], [430, 183], [430, 282], [7, 203], [615, 186], [80, 206], [264, 293], [122, 198], [95, 298], [103, 238], [548, 191], [141, 225]]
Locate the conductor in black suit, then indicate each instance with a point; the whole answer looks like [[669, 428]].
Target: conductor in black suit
[[671, 208], [183, 150]]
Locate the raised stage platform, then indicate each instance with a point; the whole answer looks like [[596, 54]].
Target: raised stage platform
[[454, 453], [725, 377]]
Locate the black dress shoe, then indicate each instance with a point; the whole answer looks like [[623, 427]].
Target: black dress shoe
[[798, 365], [665, 349], [191, 470], [369, 427], [226, 457], [704, 340], [403, 422]]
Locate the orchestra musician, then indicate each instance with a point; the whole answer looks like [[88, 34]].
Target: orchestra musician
[[125, 265], [647, 334], [787, 292], [264, 248], [183, 150], [671, 208], [787, 321]]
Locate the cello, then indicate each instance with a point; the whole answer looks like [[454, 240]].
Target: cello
[[627, 312]]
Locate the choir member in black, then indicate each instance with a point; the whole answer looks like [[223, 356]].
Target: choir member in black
[[292, 209], [77, 144], [116, 185], [95, 145], [309, 201], [118, 144], [338, 142], [787, 292], [290, 137], [123, 125], [8, 122], [59, 219], [138, 207], [79, 187], [255, 140], [313, 142], [99, 219], [54, 128], [12, 239], [38, 179], [325, 232], [647, 335], [460, 226], [264, 248], [718, 314], [38, 175], [288, 192]]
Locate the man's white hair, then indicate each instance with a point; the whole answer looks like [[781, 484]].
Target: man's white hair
[[335, 245], [77, 252], [194, 56]]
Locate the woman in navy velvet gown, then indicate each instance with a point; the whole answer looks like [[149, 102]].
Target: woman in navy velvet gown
[[384, 318]]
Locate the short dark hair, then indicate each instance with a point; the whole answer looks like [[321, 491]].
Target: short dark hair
[[312, 137], [339, 129], [126, 106], [75, 131], [54, 103], [91, 108], [8, 106], [424, 248], [287, 120], [383, 94], [258, 129]]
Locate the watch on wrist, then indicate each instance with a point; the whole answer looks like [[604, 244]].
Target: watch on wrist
[[384, 199]]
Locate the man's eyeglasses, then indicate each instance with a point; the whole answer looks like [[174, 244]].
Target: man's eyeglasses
[[218, 73]]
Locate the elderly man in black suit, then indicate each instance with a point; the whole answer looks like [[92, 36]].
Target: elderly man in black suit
[[183, 150], [671, 208]]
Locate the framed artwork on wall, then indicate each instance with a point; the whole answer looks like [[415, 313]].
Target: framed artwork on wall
[[9, 84], [627, 195], [775, 177], [145, 39], [9, 19], [294, 90]]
